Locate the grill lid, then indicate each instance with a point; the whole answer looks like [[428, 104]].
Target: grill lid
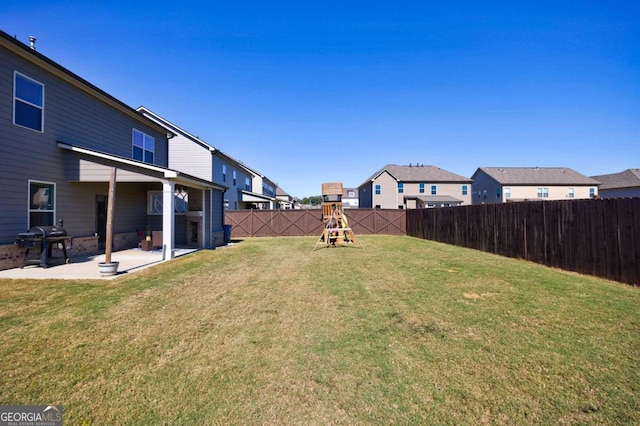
[[44, 232]]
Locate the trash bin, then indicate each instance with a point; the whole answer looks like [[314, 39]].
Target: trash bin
[[227, 233]]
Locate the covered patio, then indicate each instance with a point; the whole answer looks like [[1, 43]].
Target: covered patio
[[158, 198]]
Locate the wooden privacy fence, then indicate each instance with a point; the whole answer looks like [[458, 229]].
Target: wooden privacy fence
[[596, 237], [277, 223]]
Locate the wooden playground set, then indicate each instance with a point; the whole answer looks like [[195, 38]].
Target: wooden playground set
[[336, 230]]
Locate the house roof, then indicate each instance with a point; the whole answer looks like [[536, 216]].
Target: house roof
[[536, 176], [40, 60], [418, 173], [281, 192], [629, 178], [345, 193]]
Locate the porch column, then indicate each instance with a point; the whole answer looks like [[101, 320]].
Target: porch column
[[168, 220], [204, 242]]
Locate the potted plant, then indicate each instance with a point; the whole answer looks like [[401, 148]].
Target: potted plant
[[148, 238]]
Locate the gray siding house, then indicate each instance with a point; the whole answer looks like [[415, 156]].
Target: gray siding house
[[284, 201], [620, 185], [263, 196], [507, 184], [350, 198], [414, 186], [60, 138], [190, 153]]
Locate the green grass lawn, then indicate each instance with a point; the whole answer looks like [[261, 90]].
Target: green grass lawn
[[269, 331]]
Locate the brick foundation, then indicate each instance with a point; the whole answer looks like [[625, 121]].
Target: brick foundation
[[11, 256]]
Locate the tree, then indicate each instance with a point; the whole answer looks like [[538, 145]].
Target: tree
[[314, 200]]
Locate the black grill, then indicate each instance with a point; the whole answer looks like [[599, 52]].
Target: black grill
[[44, 238]]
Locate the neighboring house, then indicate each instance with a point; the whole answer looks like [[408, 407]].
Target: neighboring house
[[61, 137], [189, 152], [619, 185], [414, 186], [263, 200], [350, 198], [284, 201], [506, 184]]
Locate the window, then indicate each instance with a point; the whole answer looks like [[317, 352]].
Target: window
[[400, 187], [247, 184], [42, 203], [507, 192], [498, 193], [181, 201], [351, 194], [378, 190], [235, 178], [268, 189], [155, 201], [224, 172], [421, 188], [571, 193], [28, 102], [144, 146], [592, 192], [543, 192], [434, 190], [465, 189]]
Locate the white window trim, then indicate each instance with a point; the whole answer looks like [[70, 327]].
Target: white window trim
[[150, 211], [15, 99], [133, 131], [29, 210]]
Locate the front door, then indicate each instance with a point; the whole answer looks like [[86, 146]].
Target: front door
[[101, 220]]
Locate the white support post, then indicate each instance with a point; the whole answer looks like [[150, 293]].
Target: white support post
[[168, 220], [203, 221]]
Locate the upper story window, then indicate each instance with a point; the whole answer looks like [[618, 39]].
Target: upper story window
[[421, 188], [465, 189], [351, 194], [235, 178], [268, 189], [571, 193], [28, 102], [42, 203], [144, 146], [498, 193], [247, 184], [378, 190], [507, 192], [400, 187], [434, 190], [543, 192], [224, 172], [592, 192]]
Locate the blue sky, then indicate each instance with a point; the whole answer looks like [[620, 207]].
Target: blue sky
[[310, 92]]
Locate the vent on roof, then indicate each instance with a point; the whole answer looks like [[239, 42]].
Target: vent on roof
[[32, 42]]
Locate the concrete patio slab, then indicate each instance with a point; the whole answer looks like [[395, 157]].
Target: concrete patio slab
[[86, 267]]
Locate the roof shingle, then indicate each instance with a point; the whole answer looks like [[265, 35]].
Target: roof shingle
[[419, 173], [629, 178], [536, 176]]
